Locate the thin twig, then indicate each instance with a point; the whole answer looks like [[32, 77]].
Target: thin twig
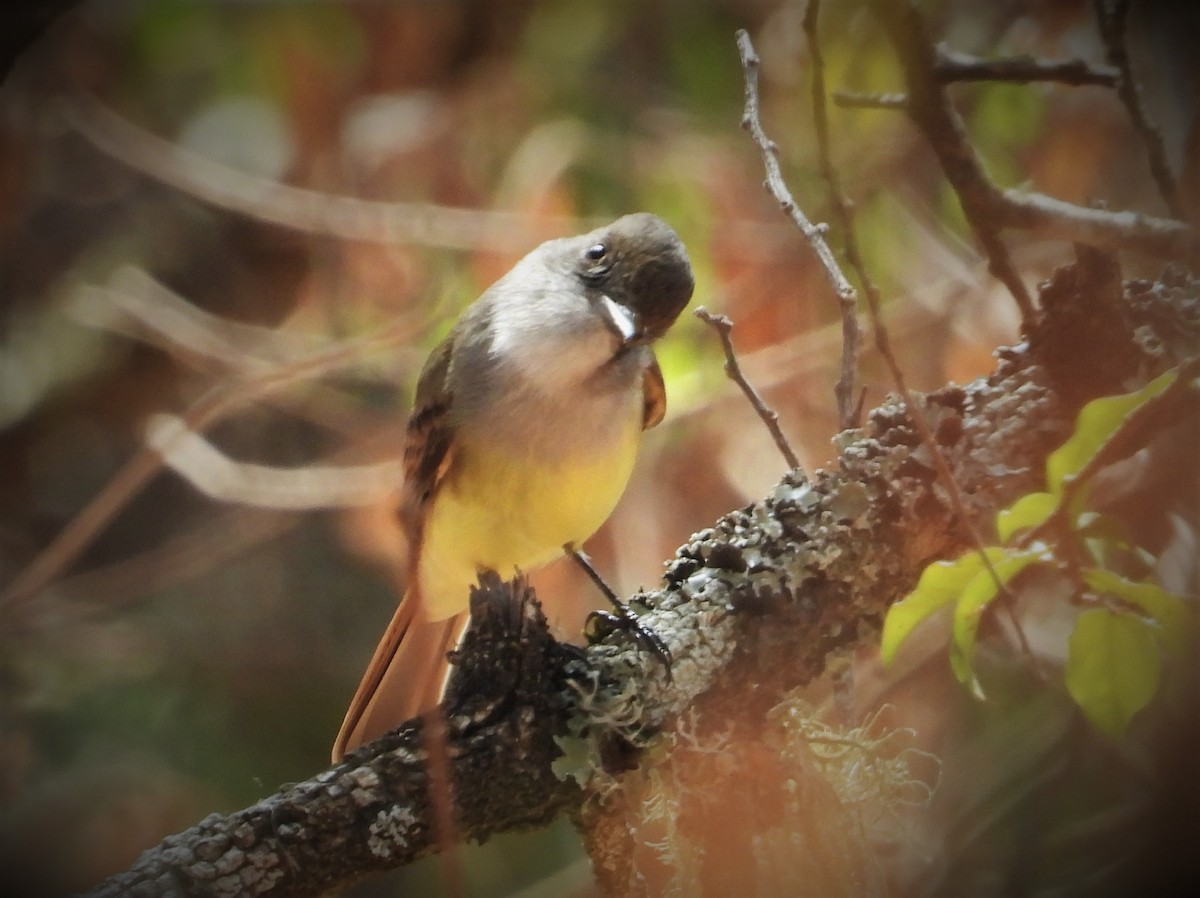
[[852, 99], [1112, 24], [849, 410], [915, 414], [297, 208], [952, 66], [723, 327], [1052, 218], [752, 123], [930, 109]]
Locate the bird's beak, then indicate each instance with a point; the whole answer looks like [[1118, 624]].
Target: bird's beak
[[621, 320]]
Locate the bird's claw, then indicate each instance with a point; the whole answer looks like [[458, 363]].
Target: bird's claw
[[599, 623]]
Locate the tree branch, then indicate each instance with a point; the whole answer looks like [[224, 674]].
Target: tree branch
[[988, 208], [930, 109], [377, 809], [951, 66], [849, 409], [1112, 24], [724, 327], [752, 123]]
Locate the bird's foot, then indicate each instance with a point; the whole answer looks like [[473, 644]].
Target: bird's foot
[[600, 623]]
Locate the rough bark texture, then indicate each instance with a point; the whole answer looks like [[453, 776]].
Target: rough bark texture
[[373, 812], [803, 577]]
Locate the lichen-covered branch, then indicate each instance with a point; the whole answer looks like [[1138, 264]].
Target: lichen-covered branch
[[377, 810], [773, 594]]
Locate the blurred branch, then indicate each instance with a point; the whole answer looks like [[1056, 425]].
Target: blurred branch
[[264, 486], [849, 410], [311, 211], [1045, 216], [989, 209], [258, 380], [24, 24], [1112, 24], [951, 66], [724, 328], [849, 99], [136, 305]]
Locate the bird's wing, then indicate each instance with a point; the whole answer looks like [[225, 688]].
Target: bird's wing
[[407, 671], [428, 446]]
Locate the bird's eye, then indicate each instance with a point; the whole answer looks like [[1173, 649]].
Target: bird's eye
[[596, 252]]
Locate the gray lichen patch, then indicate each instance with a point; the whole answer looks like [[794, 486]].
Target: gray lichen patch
[[388, 832]]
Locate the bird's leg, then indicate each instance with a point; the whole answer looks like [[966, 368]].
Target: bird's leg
[[623, 618]]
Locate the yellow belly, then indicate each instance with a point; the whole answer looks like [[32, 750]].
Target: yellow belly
[[496, 512]]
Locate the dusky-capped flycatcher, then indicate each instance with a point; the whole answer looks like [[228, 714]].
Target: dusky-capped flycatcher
[[523, 434]]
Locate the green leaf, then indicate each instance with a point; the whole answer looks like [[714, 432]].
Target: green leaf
[[1029, 511], [941, 583], [1167, 610], [1097, 421], [1113, 667], [976, 597]]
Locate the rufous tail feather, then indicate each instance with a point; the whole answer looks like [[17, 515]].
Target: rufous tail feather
[[405, 678]]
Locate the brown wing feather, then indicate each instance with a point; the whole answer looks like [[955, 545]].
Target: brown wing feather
[[407, 671], [429, 440], [654, 396]]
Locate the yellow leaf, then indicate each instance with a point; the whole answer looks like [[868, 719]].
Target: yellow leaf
[[1027, 512], [975, 599], [1097, 421], [941, 583]]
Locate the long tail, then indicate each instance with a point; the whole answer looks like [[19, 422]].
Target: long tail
[[406, 675]]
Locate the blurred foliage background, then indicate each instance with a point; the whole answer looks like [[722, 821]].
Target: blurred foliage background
[[191, 655]]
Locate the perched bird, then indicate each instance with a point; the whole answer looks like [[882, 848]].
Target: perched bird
[[523, 434]]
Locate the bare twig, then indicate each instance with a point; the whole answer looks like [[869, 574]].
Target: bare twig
[[850, 99], [849, 409], [953, 66], [930, 109], [1112, 25], [1057, 219], [915, 414], [310, 211], [723, 327], [752, 123]]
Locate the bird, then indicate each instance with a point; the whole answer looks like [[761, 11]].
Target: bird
[[524, 430]]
